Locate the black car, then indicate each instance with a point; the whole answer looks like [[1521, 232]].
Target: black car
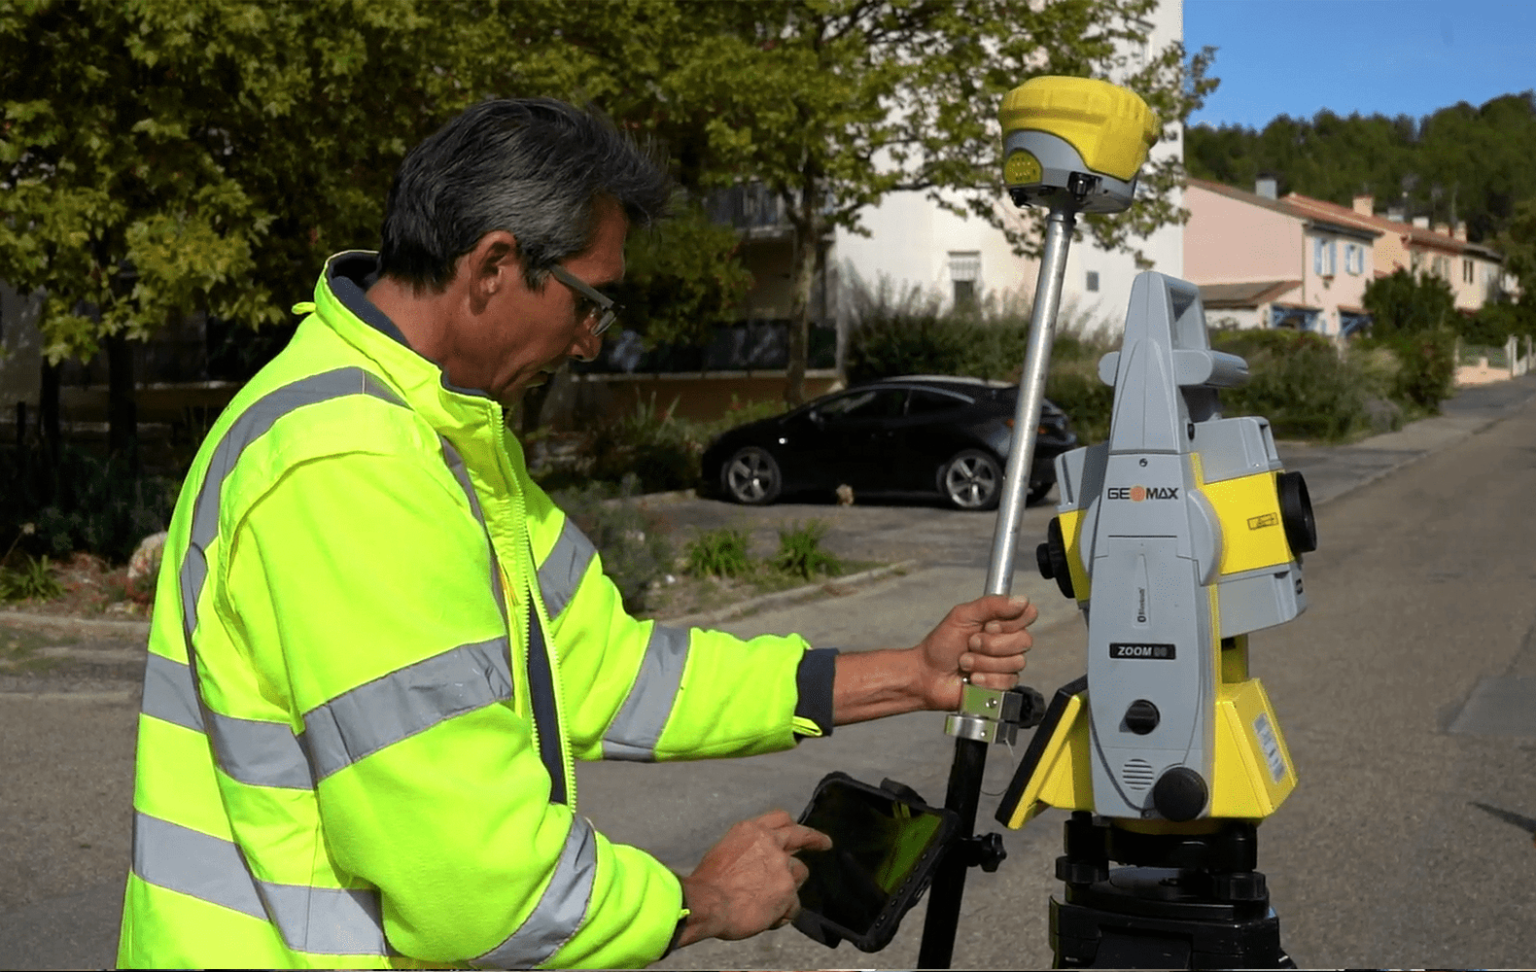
[[900, 435]]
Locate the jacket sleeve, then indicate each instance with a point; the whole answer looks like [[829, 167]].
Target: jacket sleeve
[[361, 585], [652, 691]]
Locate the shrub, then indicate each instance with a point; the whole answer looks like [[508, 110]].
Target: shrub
[[632, 543], [801, 555], [662, 452], [718, 553], [1074, 385], [1300, 382], [34, 581], [1427, 373], [84, 503]]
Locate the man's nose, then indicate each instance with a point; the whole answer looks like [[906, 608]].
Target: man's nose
[[586, 345]]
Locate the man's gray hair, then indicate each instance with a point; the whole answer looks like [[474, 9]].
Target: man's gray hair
[[534, 167]]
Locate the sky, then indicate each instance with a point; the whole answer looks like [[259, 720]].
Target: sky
[[1389, 57]]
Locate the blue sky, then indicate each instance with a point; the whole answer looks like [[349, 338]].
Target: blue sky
[[1296, 57]]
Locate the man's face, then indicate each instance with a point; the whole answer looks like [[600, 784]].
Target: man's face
[[522, 336]]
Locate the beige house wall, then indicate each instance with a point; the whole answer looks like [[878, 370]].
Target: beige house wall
[[1230, 241]]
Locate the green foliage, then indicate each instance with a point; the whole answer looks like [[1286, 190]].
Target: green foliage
[[634, 549], [801, 554], [910, 333], [1498, 321], [1405, 303], [718, 553], [1300, 382], [660, 451], [84, 503], [1074, 386], [684, 279], [1428, 367], [35, 582]]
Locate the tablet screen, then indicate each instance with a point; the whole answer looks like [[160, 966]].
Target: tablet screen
[[877, 842]]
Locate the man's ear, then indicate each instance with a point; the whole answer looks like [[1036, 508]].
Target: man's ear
[[493, 263]]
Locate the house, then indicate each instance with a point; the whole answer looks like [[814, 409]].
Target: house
[[1295, 261], [1261, 261], [1475, 272]]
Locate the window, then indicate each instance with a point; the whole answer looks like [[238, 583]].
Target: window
[[1468, 275], [1354, 259], [965, 276], [1441, 267], [1323, 256], [927, 402], [1093, 281], [875, 403]]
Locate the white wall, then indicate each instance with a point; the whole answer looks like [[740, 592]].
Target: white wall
[[911, 238]]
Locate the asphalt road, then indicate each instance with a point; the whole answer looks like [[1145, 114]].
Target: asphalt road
[[1407, 694]]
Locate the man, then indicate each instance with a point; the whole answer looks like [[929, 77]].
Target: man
[[378, 646]]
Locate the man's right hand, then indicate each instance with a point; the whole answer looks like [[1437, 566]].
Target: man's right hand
[[749, 881]]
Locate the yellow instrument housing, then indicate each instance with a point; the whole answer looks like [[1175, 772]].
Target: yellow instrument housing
[[1110, 127]]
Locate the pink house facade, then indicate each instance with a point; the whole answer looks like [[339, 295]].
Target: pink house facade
[[1266, 262]]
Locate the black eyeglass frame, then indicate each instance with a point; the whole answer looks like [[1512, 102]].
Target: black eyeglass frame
[[600, 303]]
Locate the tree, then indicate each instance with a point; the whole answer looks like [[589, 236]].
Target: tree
[[159, 160], [1407, 304], [833, 104]]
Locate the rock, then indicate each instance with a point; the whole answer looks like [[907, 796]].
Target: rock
[[845, 495], [144, 568]]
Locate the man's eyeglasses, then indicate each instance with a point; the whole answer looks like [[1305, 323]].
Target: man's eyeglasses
[[600, 308]]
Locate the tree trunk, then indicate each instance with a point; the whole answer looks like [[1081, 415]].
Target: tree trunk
[[807, 254], [48, 415], [122, 410]]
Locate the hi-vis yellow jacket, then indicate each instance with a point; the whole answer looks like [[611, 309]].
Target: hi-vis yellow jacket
[[377, 647]]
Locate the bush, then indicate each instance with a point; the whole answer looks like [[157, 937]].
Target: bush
[[1074, 385], [661, 452], [83, 503], [911, 334], [719, 553], [800, 553], [635, 551], [1304, 387], [1427, 375], [35, 581]]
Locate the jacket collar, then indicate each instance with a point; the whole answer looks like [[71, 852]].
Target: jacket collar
[[342, 303]]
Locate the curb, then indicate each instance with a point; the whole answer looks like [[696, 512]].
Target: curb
[[834, 586], [101, 626]]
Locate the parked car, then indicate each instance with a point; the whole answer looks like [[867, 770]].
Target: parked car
[[919, 434]]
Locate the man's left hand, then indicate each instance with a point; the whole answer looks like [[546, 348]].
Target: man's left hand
[[983, 640]]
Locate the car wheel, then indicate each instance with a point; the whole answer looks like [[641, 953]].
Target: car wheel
[[751, 476], [972, 480]]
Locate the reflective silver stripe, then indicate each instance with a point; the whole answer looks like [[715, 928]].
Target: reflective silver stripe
[[561, 909], [323, 921], [259, 753], [561, 572], [637, 728], [169, 694], [406, 701]]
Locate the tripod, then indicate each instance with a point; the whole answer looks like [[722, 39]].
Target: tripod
[[1189, 900]]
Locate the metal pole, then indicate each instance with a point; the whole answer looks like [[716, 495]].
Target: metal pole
[[965, 773], [1026, 417]]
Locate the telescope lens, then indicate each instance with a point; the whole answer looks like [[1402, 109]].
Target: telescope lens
[[1296, 512]]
